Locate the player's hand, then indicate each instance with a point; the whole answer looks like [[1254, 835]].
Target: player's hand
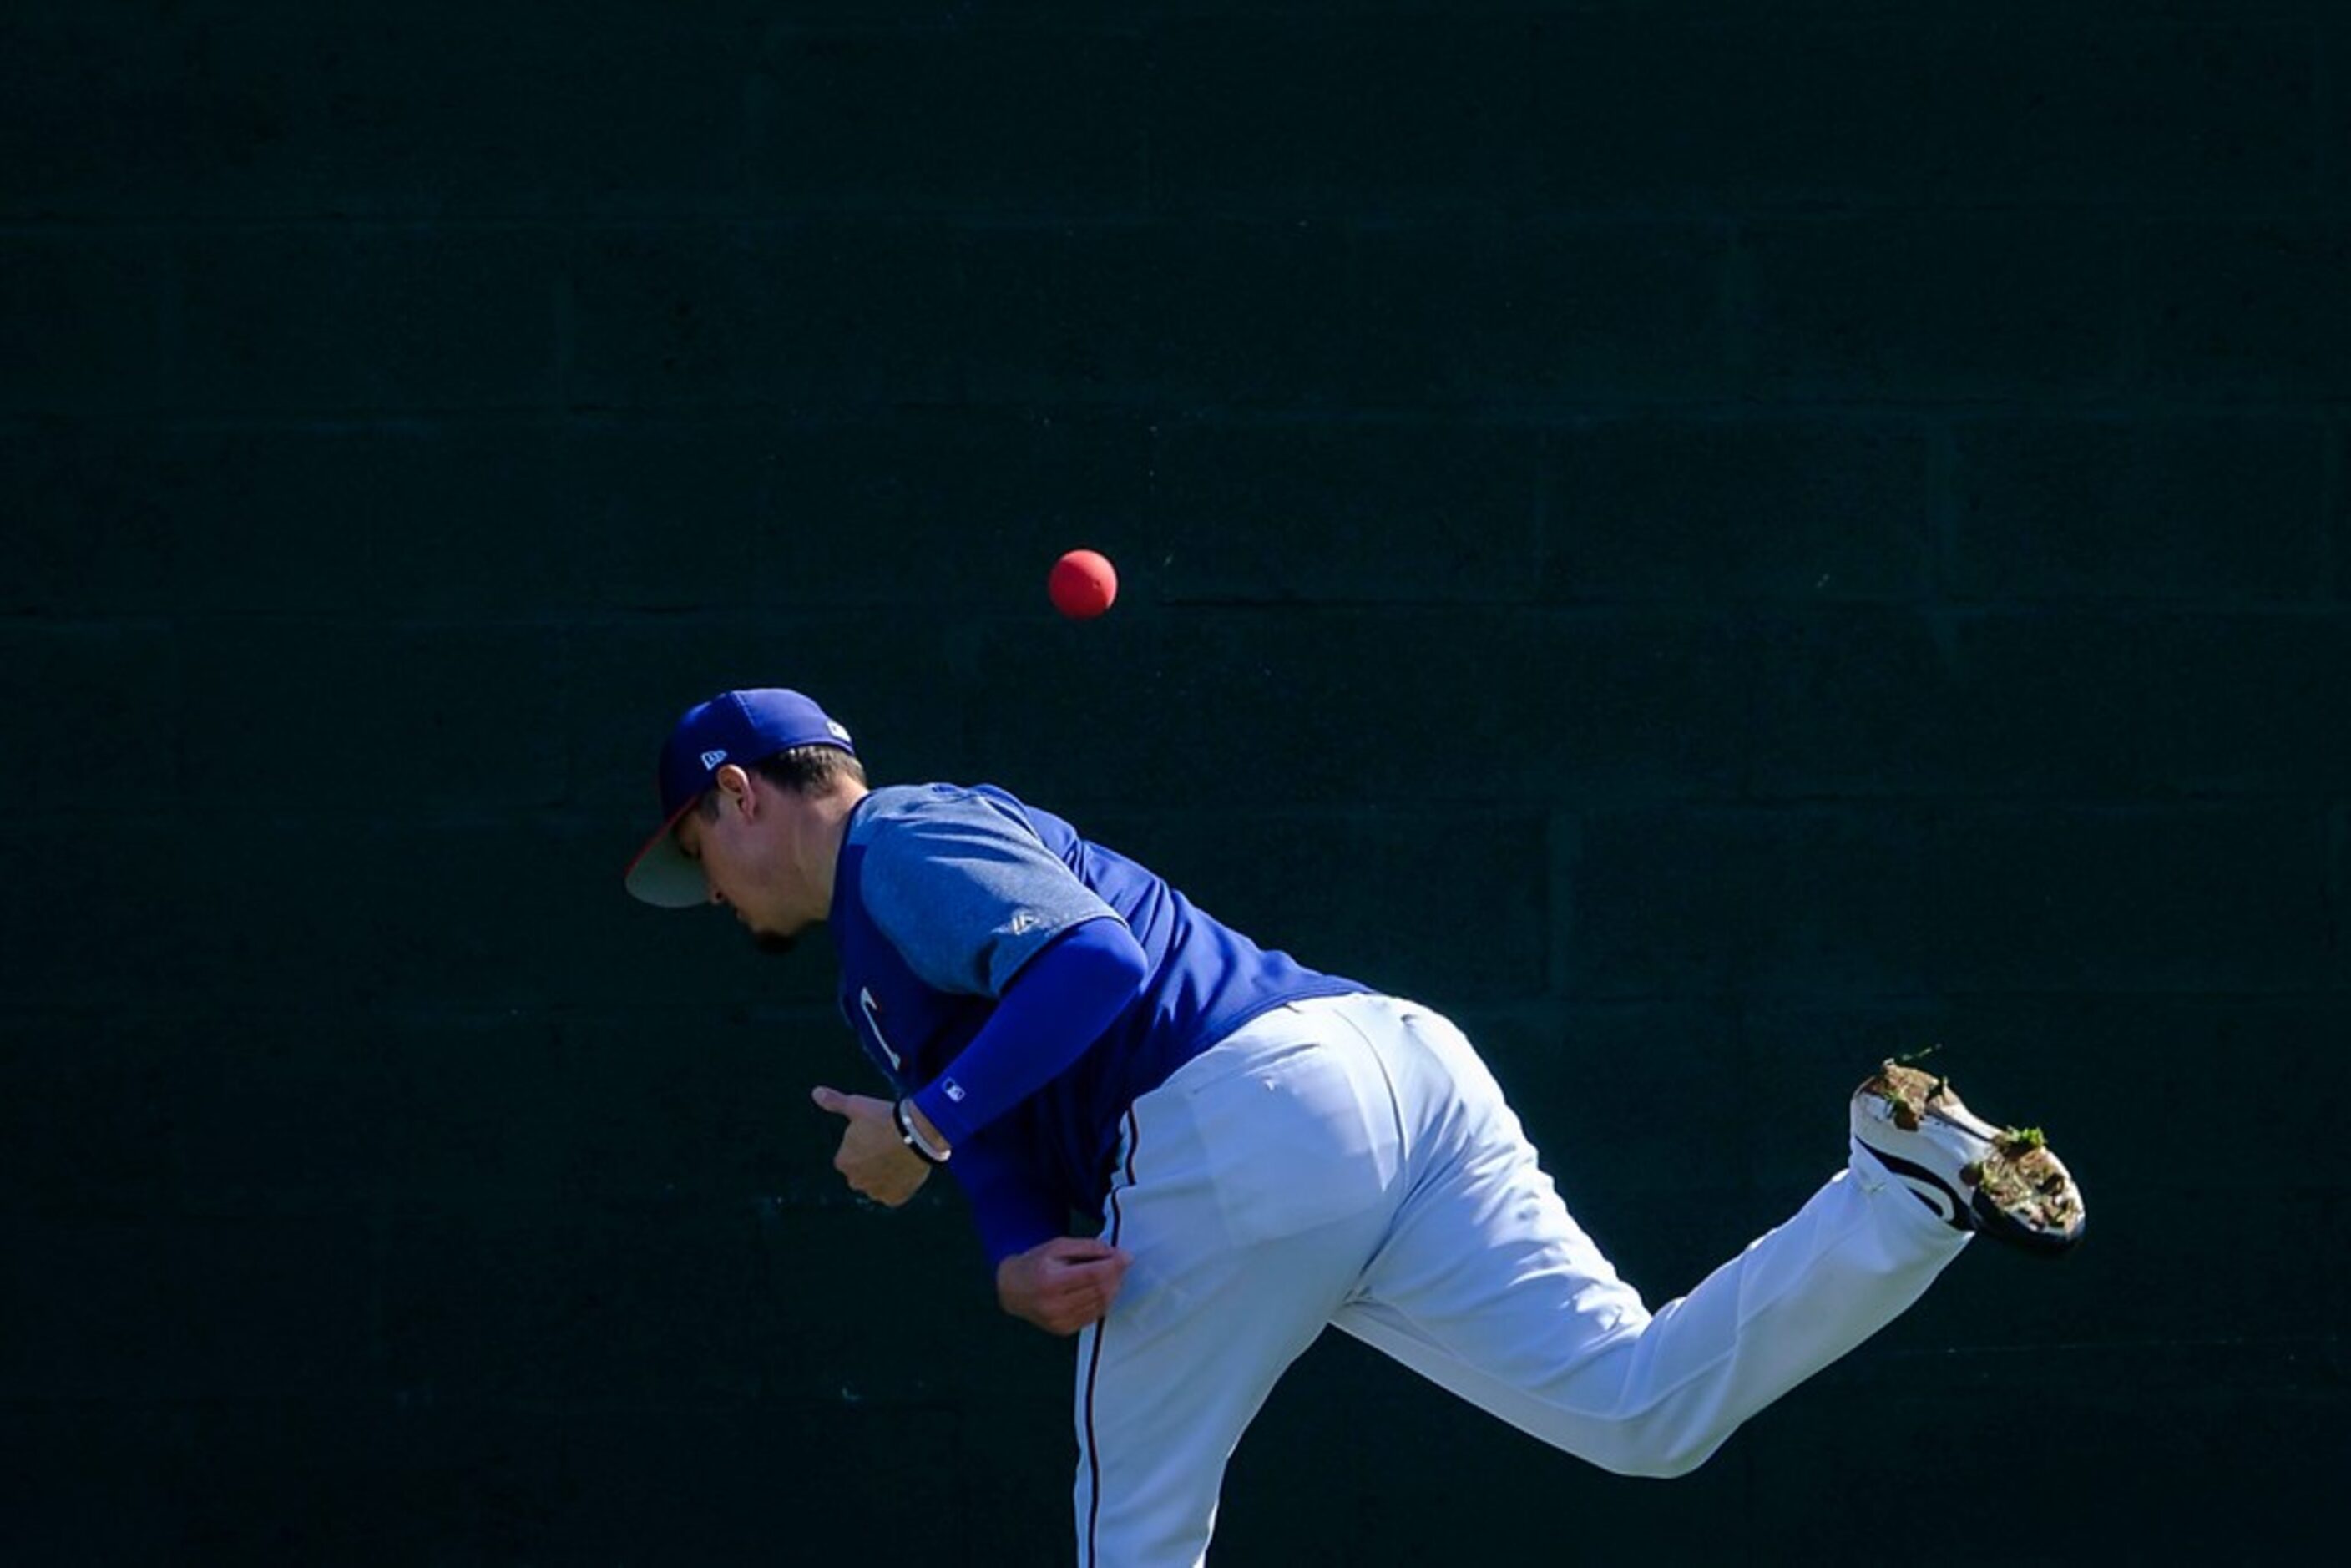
[[1063, 1284], [872, 1158]]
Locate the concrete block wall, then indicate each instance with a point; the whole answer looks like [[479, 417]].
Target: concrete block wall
[[1712, 545]]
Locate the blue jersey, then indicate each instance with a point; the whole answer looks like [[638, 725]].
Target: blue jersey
[[941, 895]]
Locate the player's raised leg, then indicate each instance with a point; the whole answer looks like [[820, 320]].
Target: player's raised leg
[[1534, 1325]]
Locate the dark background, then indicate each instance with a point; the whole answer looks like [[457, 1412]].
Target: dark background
[[1711, 542]]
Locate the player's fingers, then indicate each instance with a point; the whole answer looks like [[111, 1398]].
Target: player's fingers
[[1098, 1300], [1089, 1289], [1112, 1260], [1074, 1308], [831, 1099]]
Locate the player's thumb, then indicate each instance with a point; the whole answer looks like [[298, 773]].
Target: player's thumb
[[831, 1099]]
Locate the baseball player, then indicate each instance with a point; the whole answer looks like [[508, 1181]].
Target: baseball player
[[1258, 1149]]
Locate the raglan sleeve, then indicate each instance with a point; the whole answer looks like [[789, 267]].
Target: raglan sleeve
[[968, 893]]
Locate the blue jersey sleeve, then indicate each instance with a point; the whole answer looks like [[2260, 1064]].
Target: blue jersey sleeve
[[964, 889]]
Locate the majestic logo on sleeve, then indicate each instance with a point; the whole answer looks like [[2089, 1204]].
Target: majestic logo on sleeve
[[872, 1011]]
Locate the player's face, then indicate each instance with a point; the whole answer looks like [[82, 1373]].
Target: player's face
[[743, 862]]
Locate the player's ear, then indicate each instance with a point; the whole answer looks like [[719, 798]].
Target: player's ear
[[735, 792]]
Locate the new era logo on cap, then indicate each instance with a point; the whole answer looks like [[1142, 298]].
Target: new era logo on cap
[[713, 758]]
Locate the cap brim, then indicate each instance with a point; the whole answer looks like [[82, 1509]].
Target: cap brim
[[662, 875]]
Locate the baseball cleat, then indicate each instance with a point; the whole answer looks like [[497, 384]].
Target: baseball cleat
[[2001, 1182]]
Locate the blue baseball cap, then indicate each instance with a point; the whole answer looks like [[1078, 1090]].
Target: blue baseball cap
[[741, 728]]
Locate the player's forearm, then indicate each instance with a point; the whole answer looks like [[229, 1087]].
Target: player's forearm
[[1011, 1208], [1058, 1005]]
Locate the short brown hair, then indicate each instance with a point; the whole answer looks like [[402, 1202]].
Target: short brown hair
[[810, 768], [805, 770]]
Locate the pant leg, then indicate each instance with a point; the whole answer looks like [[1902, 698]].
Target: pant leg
[[1488, 1288], [1252, 1189]]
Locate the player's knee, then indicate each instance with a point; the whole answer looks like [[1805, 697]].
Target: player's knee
[[1649, 1452], [1665, 1467]]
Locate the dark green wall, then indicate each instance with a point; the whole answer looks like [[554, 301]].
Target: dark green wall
[[1712, 543]]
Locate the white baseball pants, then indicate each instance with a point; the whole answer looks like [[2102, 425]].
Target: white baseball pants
[[1351, 1161]]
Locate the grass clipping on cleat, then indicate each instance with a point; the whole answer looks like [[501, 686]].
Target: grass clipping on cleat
[[2023, 1178]]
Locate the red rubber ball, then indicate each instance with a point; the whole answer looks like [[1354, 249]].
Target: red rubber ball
[[1082, 584]]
